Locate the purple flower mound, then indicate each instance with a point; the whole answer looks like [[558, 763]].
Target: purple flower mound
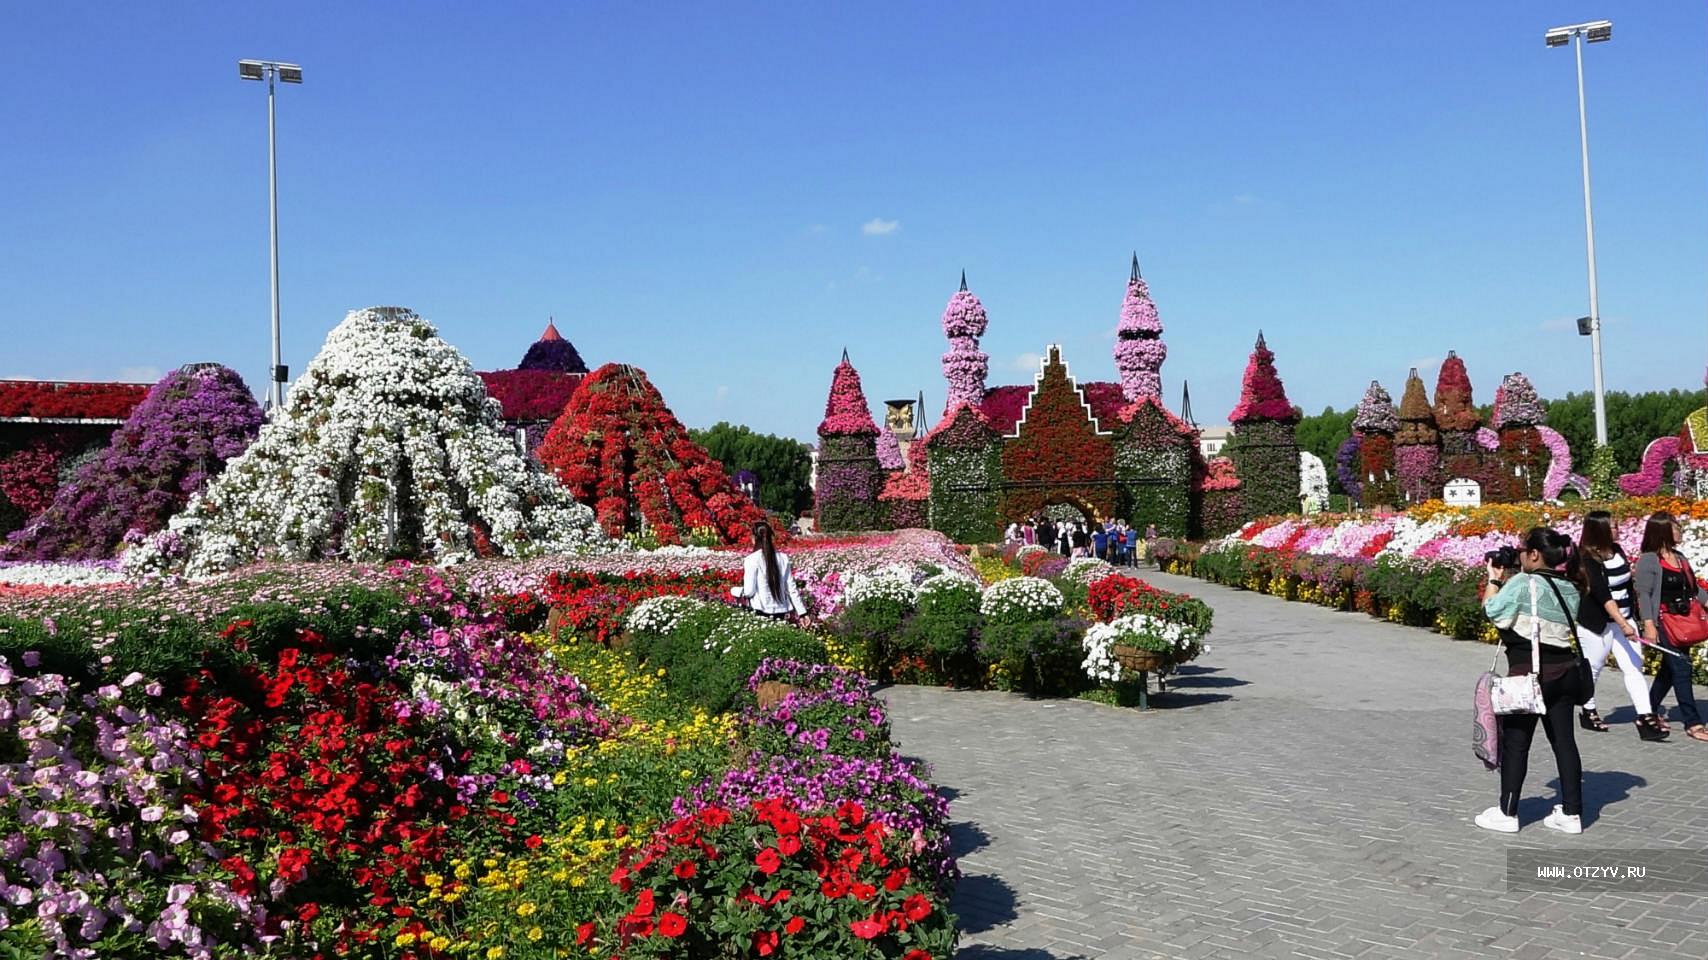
[[1139, 350], [1516, 403], [179, 437], [889, 451], [964, 316], [1376, 413], [557, 355], [1346, 467]]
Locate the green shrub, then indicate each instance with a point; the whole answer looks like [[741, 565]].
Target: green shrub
[[1040, 657]]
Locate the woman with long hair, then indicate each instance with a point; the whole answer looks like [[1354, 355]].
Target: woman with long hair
[[1664, 579], [1535, 603], [1607, 622], [767, 582]]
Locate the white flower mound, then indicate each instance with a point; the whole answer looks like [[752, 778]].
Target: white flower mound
[[890, 583], [1021, 597], [388, 441], [659, 616], [59, 574]]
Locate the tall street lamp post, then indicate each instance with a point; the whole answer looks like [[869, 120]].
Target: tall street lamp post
[[1593, 32], [270, 71]]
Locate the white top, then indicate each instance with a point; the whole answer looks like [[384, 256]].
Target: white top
[[756, 589]]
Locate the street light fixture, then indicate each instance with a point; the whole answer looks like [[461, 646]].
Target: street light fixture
[[268, 70], [1594, 31]]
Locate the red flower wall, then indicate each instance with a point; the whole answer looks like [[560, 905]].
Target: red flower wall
[[1059, 455]]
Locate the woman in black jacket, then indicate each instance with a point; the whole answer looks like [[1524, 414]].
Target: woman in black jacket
[[1607, 622]]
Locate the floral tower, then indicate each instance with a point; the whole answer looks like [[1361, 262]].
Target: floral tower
[[849, 478], [180, 436], [1265, 445], [388, 446], [552, 352], [1376, 423], [620, 450], [1462, 453], [1139, 350], [1417, 444], [965, 366], [1517, 415]]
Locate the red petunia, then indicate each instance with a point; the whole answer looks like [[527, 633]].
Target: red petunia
[[866, 929], [916, 954], [765, 941], [672, 924], [685, 870], [533, 842], [794, 926], [917, 907], [583, 934], [768, 862], [644, 904]]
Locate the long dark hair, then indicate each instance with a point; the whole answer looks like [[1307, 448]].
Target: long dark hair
[[762, 542], [1554, 546], [1597, 541], [1658, 533]]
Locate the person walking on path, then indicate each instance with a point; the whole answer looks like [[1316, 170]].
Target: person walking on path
[[767, 582], [1607, 622], [1664, 578], [1099, 542], [1535, 603]]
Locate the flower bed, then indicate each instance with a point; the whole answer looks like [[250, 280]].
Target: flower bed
[[332, 760]]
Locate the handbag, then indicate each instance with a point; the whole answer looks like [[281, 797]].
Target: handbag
[[1684, 621], [1485, 725], [1521, 693]]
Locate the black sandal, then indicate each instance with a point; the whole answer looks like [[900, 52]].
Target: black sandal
[[1591, 720], [1650, 728]]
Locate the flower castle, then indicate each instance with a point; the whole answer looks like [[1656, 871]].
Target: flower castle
[[1006, 453]]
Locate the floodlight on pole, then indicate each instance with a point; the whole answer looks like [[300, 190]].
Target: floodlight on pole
[[269, 70], [1595, 31]]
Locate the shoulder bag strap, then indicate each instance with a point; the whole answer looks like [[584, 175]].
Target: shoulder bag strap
[[1571, 621], [1535, 632]]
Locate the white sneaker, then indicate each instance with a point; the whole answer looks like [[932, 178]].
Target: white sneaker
[[1558, 820], [1493, 819]]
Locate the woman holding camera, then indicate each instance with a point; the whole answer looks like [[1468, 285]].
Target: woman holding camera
[[1534, 601], [1607, 622], [1664, 579]]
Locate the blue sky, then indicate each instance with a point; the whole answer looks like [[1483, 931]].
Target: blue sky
[[728, 194]]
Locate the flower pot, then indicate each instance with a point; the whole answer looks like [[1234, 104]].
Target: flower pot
[[556, 619], [772, 692], [1133, 659]]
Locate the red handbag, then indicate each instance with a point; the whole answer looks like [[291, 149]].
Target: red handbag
[[1688, 625]]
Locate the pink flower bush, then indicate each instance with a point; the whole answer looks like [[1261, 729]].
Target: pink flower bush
[[1416, 466], [1376, 413], [889, 451], [1516, 403]]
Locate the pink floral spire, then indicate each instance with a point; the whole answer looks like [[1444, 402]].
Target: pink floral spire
[[1516, 403], [1262, 397], [965, 365], [846, 413], [1139, 350]]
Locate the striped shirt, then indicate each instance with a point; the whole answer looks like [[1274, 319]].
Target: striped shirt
[[1619, 583]]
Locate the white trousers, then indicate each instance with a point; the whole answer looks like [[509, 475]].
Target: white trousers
[[1596, 647]]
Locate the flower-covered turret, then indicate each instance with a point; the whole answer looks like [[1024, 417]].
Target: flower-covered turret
[[965, 366], [1517, 415], [849, 477], [1139, 350], [1463, 454], [1374, 427], [552, 352], [1417, 445], [1265, 445], [1262, 396], [1516, 403], [1454, 410], [1417, 417]]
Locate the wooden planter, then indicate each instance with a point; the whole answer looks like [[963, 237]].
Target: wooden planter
[[772, 692], [1134, 660]]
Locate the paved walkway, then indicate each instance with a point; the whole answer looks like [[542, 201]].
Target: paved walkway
[[1306, 792]]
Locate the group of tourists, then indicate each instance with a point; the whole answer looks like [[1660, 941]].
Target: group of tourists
[[1114, 541], [1561, 612]]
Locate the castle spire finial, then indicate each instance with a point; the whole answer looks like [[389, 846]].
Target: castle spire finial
[[1260, 343], [844, 354], [1135, 264], [963, 280]]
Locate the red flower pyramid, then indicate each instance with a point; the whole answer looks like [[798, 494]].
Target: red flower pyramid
[[845, 411], [620, 450], [1262, 397]]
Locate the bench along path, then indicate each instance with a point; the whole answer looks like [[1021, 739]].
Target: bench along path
[[1304, 790]]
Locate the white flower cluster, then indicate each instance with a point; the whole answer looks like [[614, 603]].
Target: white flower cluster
[[1313, 482], [435, 697], [58, 574], [1409, 534], [889, 583], [660, 615], [1087, 570], [949, 582], [1100, 640], [388, 440], [735, 629], [1029, 597]]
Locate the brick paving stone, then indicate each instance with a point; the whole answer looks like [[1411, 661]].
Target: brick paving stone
[[1305, 790]]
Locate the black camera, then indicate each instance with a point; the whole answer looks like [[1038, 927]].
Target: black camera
[[1505, 558]]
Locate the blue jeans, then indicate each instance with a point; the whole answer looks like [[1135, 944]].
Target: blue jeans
[[1675, 673]]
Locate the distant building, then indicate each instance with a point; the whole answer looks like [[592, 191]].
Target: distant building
[[1211, 440]]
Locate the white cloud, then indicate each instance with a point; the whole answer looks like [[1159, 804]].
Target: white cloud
[[1028, 362], [879, 227], [140, 374], [817, 228]]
